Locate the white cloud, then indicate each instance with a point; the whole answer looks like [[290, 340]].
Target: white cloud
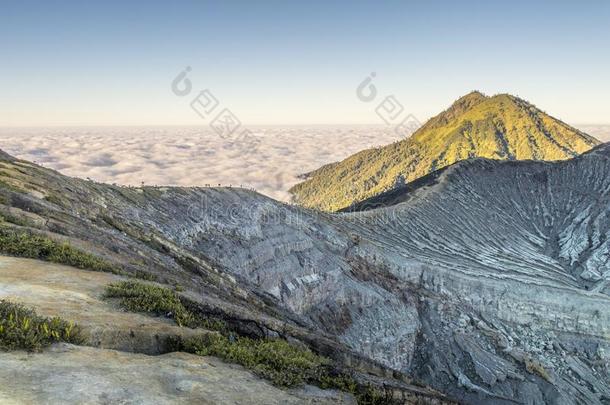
[[191, 156]]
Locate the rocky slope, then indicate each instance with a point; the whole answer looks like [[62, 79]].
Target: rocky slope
[[487, 281], [116, 369], [59, 375], [489, 285], [74, 294], [501, 127], [124, 227]]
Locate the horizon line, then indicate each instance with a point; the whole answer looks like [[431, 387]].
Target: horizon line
[[243, 125]]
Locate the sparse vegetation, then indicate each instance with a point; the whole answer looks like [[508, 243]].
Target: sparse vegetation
[[6, 216], [499, 127], [535, 367], [136, 296], [275, 360], [53, 199], [22, 329], [11, 187], [280, 362], [26, 244], [144, 275]]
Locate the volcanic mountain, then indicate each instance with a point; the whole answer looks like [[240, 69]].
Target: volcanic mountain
[[501, 127], [487, 281]]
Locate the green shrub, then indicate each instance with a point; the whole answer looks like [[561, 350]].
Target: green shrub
[[25, 244], [337, 381], [366, 394], [6, 216], [22, 329], [11, 187], [136, 296], [280, 362], [276, 360], [146, 276], [370, 395], [53, 199]]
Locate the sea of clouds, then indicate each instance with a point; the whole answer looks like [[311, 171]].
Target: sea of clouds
[[183, 156], [270, 161]]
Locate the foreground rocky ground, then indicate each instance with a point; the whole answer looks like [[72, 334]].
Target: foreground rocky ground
[[68, 374], [76, 295]]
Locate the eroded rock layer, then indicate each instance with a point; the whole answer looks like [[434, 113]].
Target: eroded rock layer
[[488, 281]]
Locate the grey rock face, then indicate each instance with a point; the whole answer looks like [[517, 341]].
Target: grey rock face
[[490, 284], [488, 281]]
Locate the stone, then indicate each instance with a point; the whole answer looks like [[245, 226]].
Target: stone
[[66, 374]]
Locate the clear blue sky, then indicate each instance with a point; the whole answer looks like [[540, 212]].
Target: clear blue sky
[[288, 62]]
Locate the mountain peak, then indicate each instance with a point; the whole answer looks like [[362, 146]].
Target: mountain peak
[[502, 127], [473, 97], [458, 107]]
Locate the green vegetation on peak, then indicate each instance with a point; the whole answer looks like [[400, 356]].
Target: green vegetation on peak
[[502, 127], [22, 329]]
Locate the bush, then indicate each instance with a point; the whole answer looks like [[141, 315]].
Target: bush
[[22, 329], [276, 360], [136, 296], [280, 362], [24, 244], [146, 276], [6, 216], [53, 199]]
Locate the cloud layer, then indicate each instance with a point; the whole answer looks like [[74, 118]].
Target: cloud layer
[[192, 156], [197, 156]]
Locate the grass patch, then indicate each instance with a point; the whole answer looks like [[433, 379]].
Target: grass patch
[[146, 276], [25, 244], [278, 361], [136, 296], [11, 187], [53, 199], [22, 329], [6, 216], [275, 360]]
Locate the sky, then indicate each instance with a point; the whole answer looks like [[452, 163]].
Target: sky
[[66, 63]]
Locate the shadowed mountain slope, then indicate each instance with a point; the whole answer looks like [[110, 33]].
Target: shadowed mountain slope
[[501, 127]]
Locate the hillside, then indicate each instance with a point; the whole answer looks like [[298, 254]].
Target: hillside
[[501, 127], [487, 281], [127, 356], [139, 234]]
